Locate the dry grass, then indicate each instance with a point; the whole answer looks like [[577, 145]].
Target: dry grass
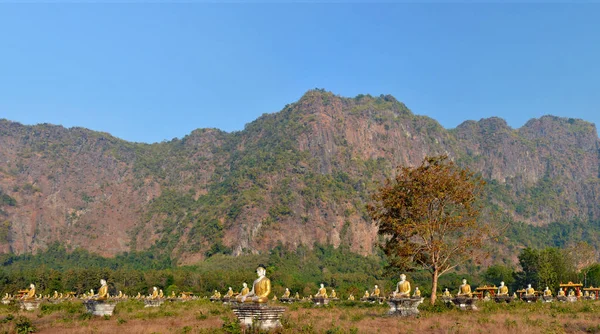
[[205, 317]]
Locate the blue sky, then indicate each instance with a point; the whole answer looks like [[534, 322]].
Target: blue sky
[[153, 72]]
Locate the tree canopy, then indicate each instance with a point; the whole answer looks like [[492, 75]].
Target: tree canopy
[[429, 217]]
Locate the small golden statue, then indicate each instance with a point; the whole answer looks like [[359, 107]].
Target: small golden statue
[[547, 292], [529, 291], [242, 295], [322, 293], [417, 292], [376, 291], [286, 294], [229, 293], [464, 290], [502, 290], [366, 295], [447, 294], [333, 294], [30, 295], [351, 297]]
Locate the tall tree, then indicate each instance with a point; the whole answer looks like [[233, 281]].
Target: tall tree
[[429, 217]]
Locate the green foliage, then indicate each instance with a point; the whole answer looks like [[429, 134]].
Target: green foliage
[[547, 267], [23, 325]]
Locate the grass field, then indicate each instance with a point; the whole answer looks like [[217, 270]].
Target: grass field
[[202, 316]]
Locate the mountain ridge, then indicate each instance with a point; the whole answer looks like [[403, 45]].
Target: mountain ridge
[[298, 176]]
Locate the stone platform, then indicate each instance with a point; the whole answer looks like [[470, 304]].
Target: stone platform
[[287, 300], [262, 316], [30, 305], [530, 299], [503, 299], [100, 307], [153, 302], [320, 301], [465, 303], [404, 307], [547, 299]]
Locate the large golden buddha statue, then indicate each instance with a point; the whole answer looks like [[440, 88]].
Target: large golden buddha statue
[[529, 291], [464, 290], [402, 288], [261, 288], [103, 291], [502, 290], [30, 295], [322, 293], [154, 294]]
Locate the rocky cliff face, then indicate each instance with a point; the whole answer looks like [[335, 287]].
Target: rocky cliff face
[[299, 176]]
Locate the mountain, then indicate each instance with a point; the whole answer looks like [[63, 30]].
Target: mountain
[[298, 176]]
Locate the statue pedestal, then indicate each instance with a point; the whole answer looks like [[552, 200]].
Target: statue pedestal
[[547, 299], [372, 300], [215, 299], [100, 307], [320, 301], [404, 307], [571, 299], [529, 299], [153, 302], [503, 299], [30, 305], [260, 315], [287, 300], [6, 301], [465, 303]]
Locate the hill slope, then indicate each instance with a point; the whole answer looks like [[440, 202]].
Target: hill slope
[[299, 176]]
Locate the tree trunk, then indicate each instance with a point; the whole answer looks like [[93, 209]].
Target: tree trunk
[[434, 286]]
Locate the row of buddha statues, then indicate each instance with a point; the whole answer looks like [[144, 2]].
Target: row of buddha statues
[[101, 295]]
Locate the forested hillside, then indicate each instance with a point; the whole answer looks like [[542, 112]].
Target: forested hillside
[[291, 178]]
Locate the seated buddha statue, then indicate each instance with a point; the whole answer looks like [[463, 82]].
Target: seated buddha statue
[[286, 294], [333, 294], [55, 295], [446, 293], [572, 293], [366, 295], [351, 297], [138, 296], [173, 295], [30, 295], [241, 296], [229, 293], [102, 292], [161, 294], [502, 290], [561, 292], [464, 290], [376, 292], [529, 291], [297, 295], [261, 288], [154, 294], [547, 292], [417, 292], [586, 294], [322, 293], [402, 288], [120, 295]]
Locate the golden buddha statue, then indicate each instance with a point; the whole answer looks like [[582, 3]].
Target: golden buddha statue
[[586, 294], [120, 295], [572, 293], [446, 293], [366, 295], [139, 296], [173, 295], [322, 293], [417, 292], [464, 290], [261, 288], [161, 294], [529, 291], [154, 294], [547, 292], [55, 295], [402, 288], [333, 294], [30, 295], [103, 291], [351, 297], [561, 292], [245, 291], [229, 293], [286, 294], [502, 290], [376, 291]]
